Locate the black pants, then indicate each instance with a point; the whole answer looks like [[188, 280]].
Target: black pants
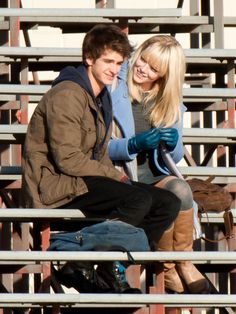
[[139, 204]]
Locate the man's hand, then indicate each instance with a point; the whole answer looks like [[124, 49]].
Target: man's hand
[[126, 180]]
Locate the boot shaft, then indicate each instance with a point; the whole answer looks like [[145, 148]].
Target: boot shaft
[[183, 231], [166, 241]]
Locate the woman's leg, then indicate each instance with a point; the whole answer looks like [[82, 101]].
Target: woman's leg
[[182, 240]]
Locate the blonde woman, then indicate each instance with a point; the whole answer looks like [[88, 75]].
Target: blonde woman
[[155, 79]]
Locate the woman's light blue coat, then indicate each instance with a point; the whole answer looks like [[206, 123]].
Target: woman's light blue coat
[[122, 110]]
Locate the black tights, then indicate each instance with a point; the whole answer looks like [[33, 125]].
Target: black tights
[[138, 204]]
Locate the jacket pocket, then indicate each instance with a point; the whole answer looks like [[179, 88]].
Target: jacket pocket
[[55, 187]]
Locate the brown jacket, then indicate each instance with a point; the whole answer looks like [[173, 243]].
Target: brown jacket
[[58, 148]]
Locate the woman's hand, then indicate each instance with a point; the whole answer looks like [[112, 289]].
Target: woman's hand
[[144, 141], [170, 136]]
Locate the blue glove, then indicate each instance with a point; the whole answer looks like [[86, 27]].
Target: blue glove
[[170, 136], [144, 141]]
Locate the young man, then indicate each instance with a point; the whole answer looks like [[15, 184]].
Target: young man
[[65, 158]]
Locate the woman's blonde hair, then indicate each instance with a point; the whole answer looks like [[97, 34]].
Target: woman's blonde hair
[[162, 102]]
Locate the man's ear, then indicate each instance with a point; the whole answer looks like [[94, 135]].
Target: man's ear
[[89, 61]]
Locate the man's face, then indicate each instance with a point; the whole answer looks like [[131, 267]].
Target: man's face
[[102, 71]]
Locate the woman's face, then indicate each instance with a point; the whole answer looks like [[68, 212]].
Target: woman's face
[[144, 74]]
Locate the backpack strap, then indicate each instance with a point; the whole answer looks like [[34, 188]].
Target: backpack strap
[[210, 179], [229, 225]]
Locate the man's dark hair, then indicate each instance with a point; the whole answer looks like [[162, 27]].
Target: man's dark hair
[[102, 37]]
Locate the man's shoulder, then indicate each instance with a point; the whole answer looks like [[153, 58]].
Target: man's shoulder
[[67, 88], [66, 85]]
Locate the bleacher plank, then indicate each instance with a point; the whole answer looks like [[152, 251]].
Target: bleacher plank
[[74, 55], [158, 20], [92, 300], [192, 135], [6, 129], [19, 52], [10, 177], [215, 217], [210, 53], [223, 136], [38, 214], [205, 92], [214, 257], [33, 214], [12, 133], [36, 13], [195, 96], [40, 52], [223, 175], [20, 89]]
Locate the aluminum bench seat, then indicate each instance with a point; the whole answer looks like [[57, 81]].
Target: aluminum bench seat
[[93, 300]]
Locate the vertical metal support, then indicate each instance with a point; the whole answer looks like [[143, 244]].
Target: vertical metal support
[[231, 117], [21, 241], [231, 102], [232, 276], [219, 23], [205, 10], [194, 10], [46, 266], [13, 36], [4, 41], [105, 4], [194, 43], [124, 25], [100, 3], [4, 71], [206, 43], [159, 287], [219, 43], [28, 44], [24, 99], [133, 274], [110, 3], [15, 157]]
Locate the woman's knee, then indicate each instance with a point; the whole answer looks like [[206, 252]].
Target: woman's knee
[[182, 190]]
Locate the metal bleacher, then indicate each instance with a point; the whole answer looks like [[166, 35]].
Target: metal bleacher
[[210, 149]]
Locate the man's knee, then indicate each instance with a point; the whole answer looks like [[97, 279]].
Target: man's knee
[[174, 205], [138, 203]]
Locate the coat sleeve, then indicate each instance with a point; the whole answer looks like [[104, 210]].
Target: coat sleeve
[[72, 136], [118, 150], [123, 115]]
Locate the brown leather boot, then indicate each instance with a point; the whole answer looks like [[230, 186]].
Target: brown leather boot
[[172, 279], [183, 241]]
